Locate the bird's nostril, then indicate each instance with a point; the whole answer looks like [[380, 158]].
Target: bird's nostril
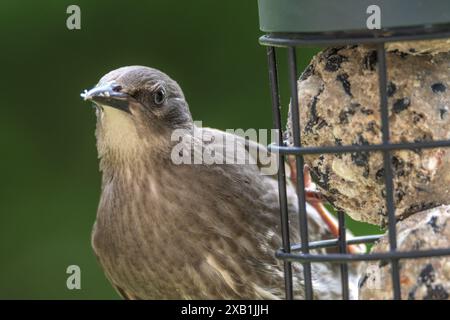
[[117, 88]]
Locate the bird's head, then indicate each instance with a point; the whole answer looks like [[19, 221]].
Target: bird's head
[[137, 107]]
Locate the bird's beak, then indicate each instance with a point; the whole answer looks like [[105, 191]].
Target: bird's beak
[[108, 95]]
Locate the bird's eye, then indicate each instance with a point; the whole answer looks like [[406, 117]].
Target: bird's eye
[[159, 96], [117, 88]]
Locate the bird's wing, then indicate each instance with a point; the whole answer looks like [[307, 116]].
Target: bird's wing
[[321, 221], [265, 197], [245, 150], [257, 156]]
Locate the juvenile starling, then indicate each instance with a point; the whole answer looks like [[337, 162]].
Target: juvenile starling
[[425, 278], [168, 230], [339, 105]]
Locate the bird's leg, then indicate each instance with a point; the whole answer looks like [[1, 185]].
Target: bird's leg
[[314, 198], [311, 194]]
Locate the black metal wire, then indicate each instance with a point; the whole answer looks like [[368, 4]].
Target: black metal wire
[[329, 243], [387, 160], [351, 38], [303, 219], [273, 78], [348, 257], [300, 252], [343, 250], [358, 148]]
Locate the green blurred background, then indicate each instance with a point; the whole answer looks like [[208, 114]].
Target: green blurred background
[[50, 179]]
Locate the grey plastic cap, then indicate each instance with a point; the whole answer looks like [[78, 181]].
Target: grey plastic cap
[[311, 16]]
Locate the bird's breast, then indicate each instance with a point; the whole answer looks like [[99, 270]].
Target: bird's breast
[[130, 235]]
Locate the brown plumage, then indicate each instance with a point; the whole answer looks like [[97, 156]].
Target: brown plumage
[[168, 231]]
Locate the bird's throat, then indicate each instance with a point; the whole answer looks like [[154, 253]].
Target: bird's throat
[[116, 132]]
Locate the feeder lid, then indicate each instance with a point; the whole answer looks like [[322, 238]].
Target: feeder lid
[[312, 16]]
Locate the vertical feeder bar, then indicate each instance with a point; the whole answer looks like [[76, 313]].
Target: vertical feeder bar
[[343, 250], [303, 221], [382, 77], [276, 114]]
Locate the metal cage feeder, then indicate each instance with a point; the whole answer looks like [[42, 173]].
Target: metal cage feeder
[[290, 24]]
